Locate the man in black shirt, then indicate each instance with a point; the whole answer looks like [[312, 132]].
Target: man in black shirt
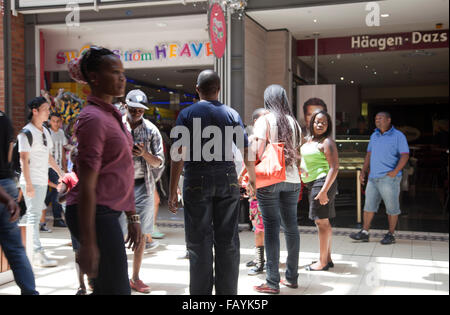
[[10, 235]]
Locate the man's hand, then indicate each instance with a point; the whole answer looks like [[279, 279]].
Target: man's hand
[[392, 174], [362, 177], [134, 238], [14, 210], [30, 190], [139, 150], [88, 259]]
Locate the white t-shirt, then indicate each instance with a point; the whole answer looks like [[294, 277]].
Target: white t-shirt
[[238, 159], [260, 131], [59, 141], [39, 154]]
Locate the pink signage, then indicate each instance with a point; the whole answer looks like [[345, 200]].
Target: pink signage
[[217, 30], [374, 43]]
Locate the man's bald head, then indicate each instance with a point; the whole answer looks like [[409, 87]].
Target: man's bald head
[[208, 83]]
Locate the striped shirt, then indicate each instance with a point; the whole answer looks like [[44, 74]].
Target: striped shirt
[[148, 134]]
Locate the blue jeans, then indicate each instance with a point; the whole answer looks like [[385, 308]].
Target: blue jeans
[[278, 204], [11, 243], [52, 195], [384, 188], [211, 203], [112, 276]]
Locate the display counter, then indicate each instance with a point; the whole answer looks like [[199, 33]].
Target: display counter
[[352, 151]]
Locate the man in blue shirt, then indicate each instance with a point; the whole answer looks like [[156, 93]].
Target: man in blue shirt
[[387, 155], [210, 190]]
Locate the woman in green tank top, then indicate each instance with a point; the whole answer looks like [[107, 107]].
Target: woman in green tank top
[[320, 166]]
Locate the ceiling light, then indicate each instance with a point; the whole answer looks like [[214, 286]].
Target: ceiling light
[[315, 20], [375, 72], [366, 66], [352, 82], [342, 78], [179, 85], [385, 15]]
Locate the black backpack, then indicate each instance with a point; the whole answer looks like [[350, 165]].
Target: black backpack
[[15, 162]]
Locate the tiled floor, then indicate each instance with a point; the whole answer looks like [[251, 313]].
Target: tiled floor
[[412, 266]]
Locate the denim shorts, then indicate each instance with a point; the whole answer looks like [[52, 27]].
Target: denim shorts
[[384, 188], [145, 208]]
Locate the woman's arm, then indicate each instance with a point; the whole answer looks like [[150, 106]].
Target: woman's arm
[[62, 192], [331, 153], [89, 254]]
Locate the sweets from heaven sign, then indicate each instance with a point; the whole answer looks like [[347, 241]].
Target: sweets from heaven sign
[[163, 52]]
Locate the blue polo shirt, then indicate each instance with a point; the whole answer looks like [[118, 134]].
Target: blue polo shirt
[[208, 123], [386, 150]]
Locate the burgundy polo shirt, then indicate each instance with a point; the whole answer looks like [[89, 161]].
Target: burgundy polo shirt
[[105, 146]]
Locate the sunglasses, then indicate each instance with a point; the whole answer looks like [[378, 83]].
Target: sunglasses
[[136, 110]]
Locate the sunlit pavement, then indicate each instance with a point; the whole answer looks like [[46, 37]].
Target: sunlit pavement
[[417, 264]]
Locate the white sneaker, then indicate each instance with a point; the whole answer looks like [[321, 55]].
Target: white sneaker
[[41, 260], [152, 245]]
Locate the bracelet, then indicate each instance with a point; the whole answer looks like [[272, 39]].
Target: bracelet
[[134, 219]]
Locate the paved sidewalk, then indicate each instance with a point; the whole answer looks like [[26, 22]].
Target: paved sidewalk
[[417, 264]]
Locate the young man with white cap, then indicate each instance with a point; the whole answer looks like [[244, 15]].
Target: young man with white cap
[[148, 154]]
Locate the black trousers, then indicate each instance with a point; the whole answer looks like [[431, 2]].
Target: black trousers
[[211, 203], [113, 266]]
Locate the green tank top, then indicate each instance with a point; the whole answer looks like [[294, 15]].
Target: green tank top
[[314, 162]]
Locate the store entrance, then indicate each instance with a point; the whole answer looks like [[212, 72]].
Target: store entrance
[[400, 67]]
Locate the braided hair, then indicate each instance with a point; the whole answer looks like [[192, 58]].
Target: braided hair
[[92, 60], [276, 101]]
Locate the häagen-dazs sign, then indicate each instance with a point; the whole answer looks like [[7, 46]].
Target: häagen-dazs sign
[[384, 42], [376, 43]]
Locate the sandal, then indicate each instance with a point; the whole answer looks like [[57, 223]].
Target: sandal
[[330, 264], [264, 288], [289, 284], [309, 268]]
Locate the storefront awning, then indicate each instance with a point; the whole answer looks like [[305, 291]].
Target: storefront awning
[[54, 6]]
